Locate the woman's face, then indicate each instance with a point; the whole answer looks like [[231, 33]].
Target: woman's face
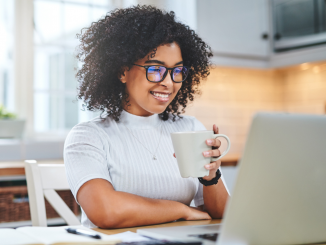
[[148, 98]]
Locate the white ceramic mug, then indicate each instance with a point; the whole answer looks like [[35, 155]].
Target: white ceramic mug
[[189, 148]]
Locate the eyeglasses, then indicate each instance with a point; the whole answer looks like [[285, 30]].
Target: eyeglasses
[[157, 73]]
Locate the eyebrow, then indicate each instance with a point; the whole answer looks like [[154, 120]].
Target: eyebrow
[[161, 62]]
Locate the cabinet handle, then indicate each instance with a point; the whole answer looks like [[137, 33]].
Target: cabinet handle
[[277, 36], [264, 36]]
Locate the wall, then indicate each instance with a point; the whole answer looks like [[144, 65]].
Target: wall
[[231, 96], [304, 88]]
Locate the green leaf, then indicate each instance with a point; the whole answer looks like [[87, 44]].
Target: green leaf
[[4, 114]]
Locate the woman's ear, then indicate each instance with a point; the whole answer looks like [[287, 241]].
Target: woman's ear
[[122, 77]]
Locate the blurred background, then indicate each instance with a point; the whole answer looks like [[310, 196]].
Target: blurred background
[[269, 56]]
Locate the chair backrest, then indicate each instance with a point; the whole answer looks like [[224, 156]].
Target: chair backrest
[[42, 181]]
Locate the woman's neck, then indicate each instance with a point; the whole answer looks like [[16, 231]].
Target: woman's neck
[[138, 111]]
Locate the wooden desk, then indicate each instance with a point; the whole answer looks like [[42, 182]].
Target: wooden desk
[[171, 224]]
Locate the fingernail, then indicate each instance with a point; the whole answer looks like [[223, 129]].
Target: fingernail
[[210, 142], [206, 153], [207, 166]]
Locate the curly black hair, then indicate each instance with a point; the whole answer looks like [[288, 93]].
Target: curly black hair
[[124, 36]]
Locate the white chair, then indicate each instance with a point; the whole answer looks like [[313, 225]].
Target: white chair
[[42, 181]]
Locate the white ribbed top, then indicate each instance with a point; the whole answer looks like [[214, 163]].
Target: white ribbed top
[[107, 150]]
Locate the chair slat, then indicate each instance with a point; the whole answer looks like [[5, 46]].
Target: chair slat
[[35, 194], [53, 176], [42, 181], [60, 206]]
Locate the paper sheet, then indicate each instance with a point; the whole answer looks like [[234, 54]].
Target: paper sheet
[[58, 235], [129, 236], [12, 237], [50, 235]]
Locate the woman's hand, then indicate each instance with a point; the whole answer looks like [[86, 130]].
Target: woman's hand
[[193, 213], [215, 152]]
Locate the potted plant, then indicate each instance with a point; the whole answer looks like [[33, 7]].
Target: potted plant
[[10, 126]]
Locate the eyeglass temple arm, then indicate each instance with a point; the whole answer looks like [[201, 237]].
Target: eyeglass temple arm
[[139, 65]]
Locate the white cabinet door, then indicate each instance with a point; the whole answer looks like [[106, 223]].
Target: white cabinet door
[[235, 27]]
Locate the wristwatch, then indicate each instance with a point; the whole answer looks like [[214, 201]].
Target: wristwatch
[[212, 181]]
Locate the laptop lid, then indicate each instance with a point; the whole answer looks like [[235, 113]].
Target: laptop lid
[[280, 192]]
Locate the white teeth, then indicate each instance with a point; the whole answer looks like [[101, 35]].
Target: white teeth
[[161, 95]]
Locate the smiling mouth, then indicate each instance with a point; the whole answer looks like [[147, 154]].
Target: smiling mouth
[[162, 97]]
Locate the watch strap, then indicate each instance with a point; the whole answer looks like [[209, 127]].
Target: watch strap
[[212, 181]]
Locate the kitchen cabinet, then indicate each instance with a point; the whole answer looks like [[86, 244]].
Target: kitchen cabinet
[[235, 27], [241, 34], [298, 23]]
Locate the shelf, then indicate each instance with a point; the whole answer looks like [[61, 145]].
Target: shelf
[[230, 160], [17, 168]]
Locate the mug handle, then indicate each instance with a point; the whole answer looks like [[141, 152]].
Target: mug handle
[[213, 159]]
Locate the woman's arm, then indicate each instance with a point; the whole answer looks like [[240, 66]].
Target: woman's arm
[[108, 208], [215, 196]]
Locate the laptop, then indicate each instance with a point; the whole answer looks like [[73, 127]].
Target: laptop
[[279, 196]]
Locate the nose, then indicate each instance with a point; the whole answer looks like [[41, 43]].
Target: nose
[[167, 82]]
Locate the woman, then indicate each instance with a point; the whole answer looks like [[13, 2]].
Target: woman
[[141, 68]]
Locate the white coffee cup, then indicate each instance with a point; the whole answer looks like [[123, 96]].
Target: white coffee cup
[[189, 148]]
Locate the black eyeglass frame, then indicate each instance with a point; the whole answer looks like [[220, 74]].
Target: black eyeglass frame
[[165, 73]]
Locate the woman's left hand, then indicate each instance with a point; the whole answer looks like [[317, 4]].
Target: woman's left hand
[[215, 152]]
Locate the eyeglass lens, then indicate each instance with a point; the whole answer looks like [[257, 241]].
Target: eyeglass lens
[[156, 73]]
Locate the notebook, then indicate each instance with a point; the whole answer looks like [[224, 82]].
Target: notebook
[[50, 236]]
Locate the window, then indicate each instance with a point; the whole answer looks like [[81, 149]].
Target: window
[[46, 97], [6, 54], [56, 107]]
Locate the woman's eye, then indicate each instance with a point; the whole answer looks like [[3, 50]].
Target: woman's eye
[[154, 69]]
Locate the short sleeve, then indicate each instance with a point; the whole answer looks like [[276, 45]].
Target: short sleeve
[[85, 156]]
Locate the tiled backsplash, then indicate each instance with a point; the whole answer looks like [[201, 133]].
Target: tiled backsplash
[[304, 89], [231, 96]]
